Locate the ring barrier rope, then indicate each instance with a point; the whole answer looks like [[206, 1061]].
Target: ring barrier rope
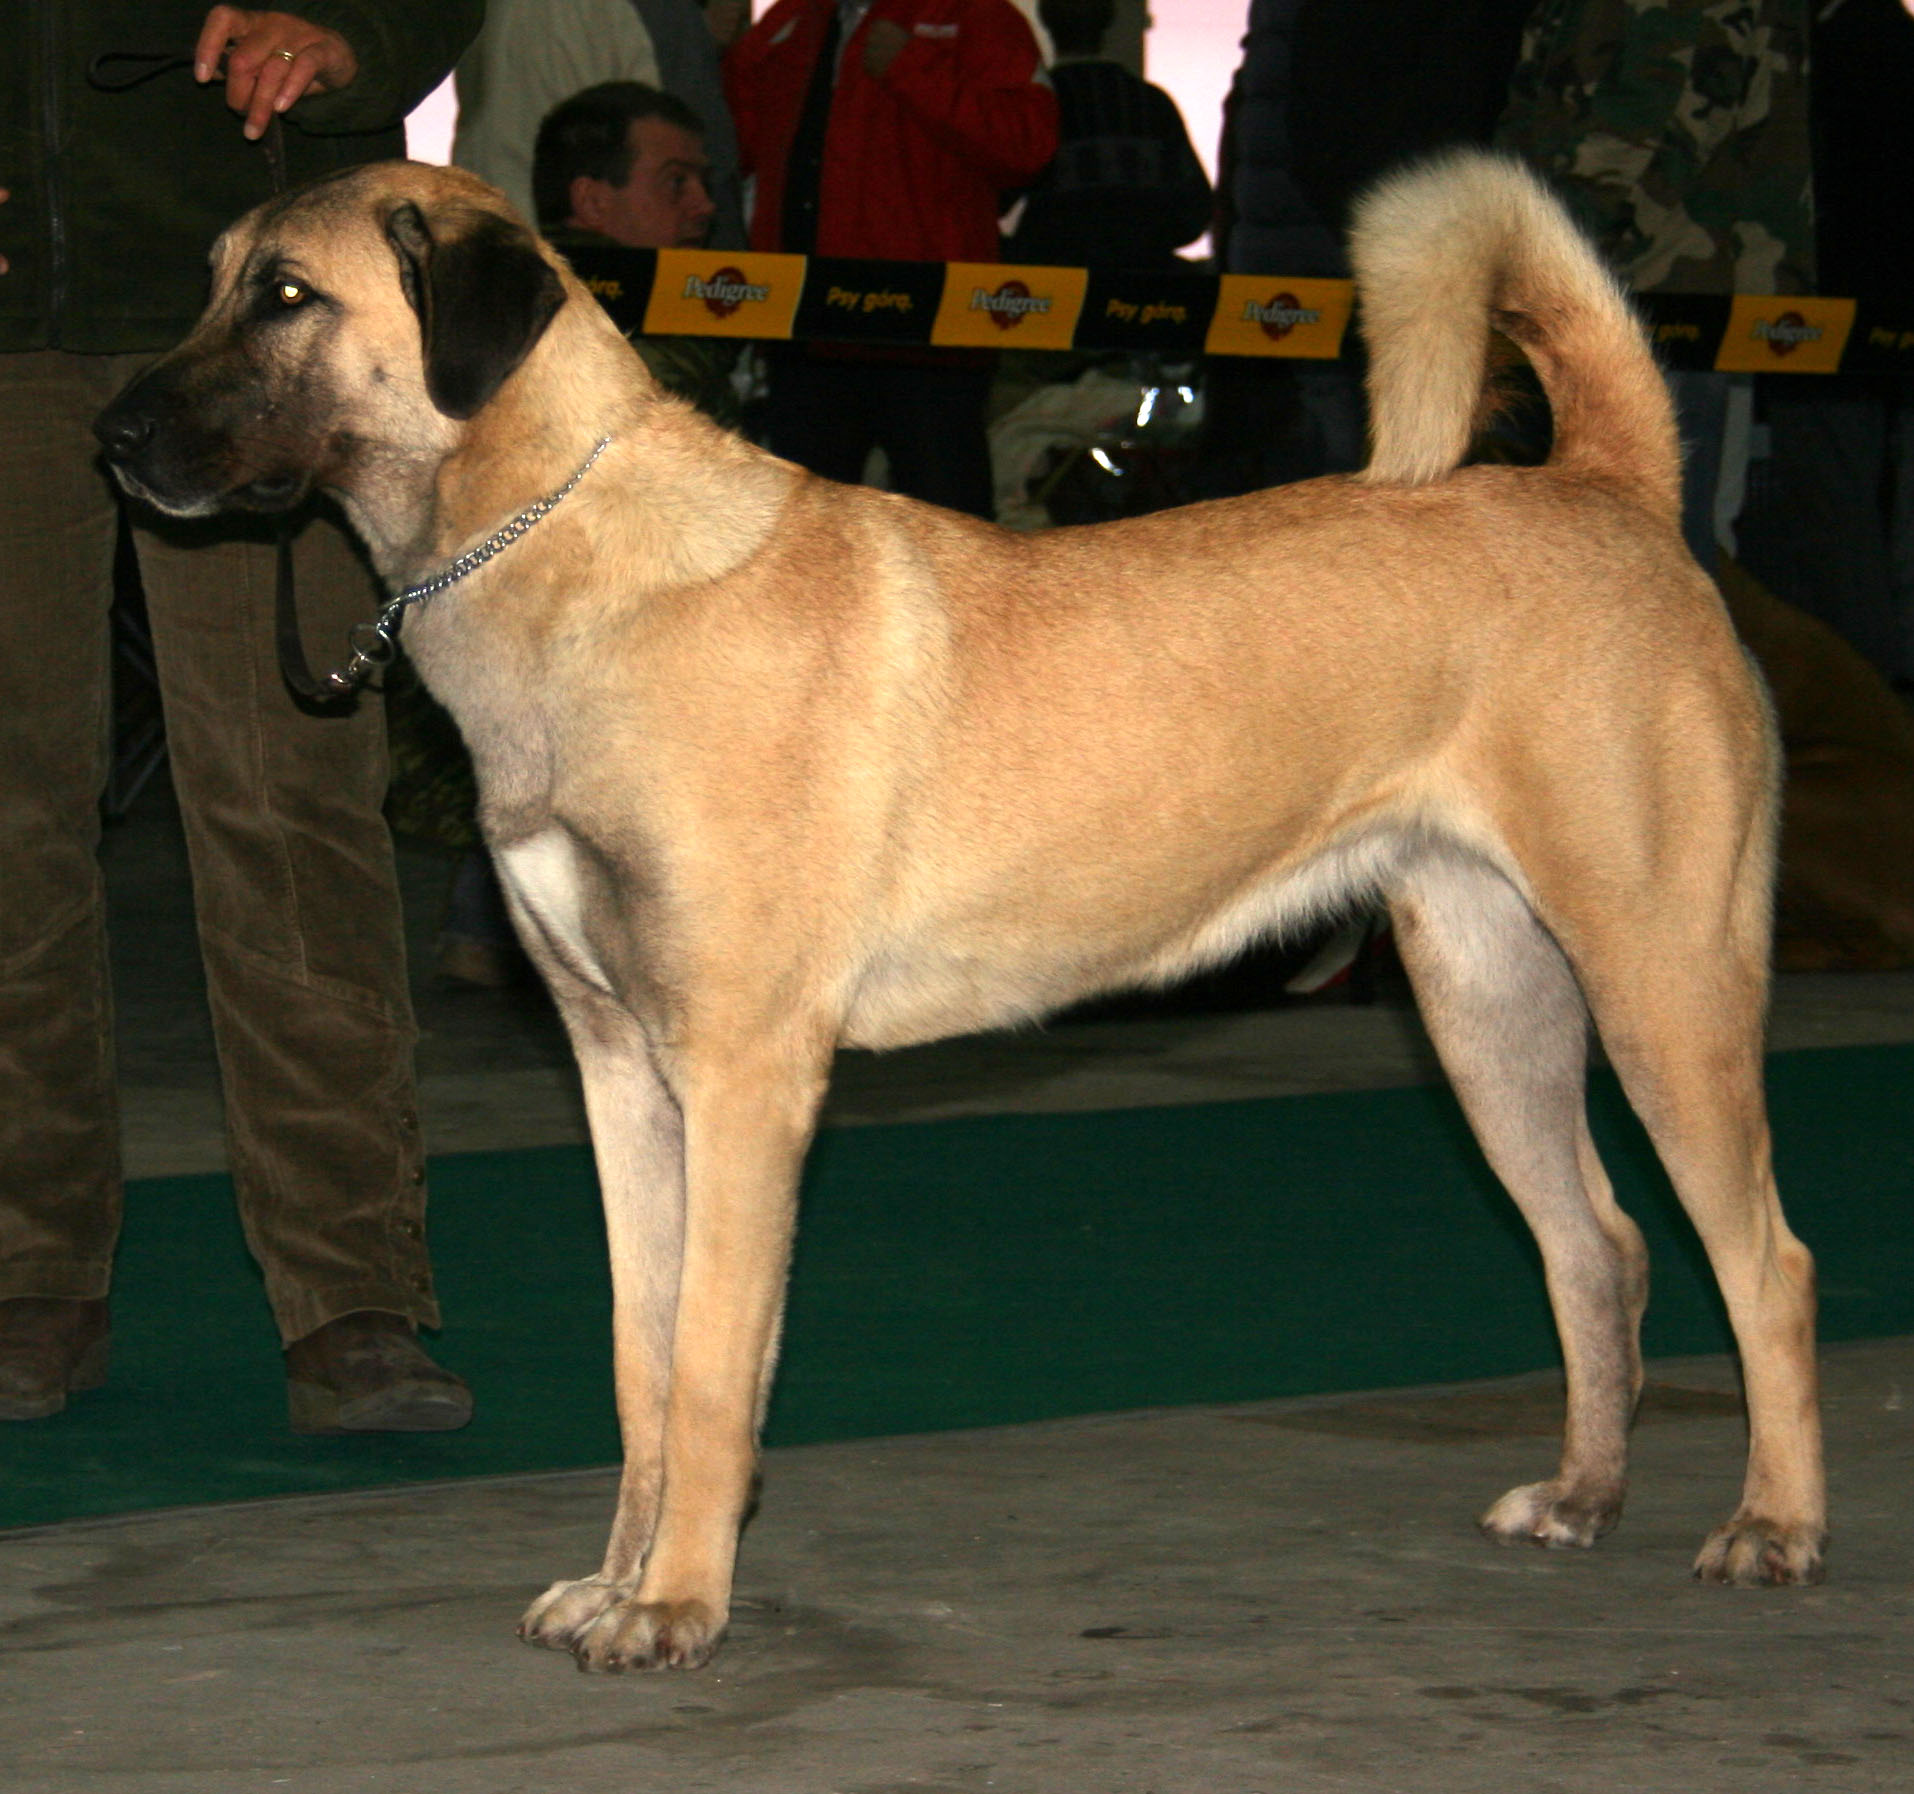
[[1008, 305]]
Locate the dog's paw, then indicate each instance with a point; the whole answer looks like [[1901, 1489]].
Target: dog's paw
[[561, 1615], [1750, 1552], [1546, 1514], [636, 1634]]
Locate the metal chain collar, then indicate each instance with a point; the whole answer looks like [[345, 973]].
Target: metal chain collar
[[374, 645]]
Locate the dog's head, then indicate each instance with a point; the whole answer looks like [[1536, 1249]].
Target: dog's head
[[355, 323]]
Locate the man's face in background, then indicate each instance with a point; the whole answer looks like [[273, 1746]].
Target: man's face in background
[[664, 203]]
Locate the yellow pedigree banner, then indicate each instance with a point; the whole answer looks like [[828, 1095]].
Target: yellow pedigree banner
[[1266, 314], [1785, 335], [724, 292], [1009, 306]]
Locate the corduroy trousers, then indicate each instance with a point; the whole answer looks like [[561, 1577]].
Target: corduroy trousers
[[294, 886]]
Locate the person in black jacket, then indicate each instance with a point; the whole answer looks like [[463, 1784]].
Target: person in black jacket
[[122, 159], [1329, 96], [1126, 189]]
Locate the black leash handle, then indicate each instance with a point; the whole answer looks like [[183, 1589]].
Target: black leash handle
[[120, 71], [142, 67]]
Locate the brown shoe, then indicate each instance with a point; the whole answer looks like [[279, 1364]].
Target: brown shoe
[[50, 1348], [366, 1373]]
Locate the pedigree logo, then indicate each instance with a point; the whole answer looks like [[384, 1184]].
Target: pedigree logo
[[1281, 315], [985, 302], [1786, 333], [1010, 304], [699, 293], [725, 291], [1789, 335], [1256, 315]]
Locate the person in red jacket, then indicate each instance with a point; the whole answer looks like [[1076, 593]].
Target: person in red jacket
[[888, 129]]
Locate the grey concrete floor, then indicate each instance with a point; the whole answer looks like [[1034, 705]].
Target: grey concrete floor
[[1249, 1600]]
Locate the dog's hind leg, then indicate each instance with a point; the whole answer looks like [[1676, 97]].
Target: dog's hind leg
[[1508, 1020], [1683, 1028]]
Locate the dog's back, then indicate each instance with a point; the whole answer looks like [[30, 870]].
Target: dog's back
[[1452, 248]]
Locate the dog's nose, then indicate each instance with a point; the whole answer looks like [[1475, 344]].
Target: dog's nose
[[123, 429]]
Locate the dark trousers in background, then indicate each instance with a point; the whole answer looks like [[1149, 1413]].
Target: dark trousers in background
[[827, 414], [1821, 509], [293, 881]]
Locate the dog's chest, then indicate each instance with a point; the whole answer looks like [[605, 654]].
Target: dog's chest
[[503, 716]]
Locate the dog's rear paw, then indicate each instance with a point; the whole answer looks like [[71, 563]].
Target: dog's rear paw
[[1546, 1514], [1750, 1552]]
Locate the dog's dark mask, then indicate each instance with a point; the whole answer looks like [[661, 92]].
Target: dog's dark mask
[[483, 299]]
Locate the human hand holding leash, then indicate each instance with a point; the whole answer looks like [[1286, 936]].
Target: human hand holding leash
[[270, 60]]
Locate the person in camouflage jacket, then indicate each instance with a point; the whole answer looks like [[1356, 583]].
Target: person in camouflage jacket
[[1678, 130]]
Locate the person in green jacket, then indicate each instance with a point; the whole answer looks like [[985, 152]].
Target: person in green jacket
[[131, 133]]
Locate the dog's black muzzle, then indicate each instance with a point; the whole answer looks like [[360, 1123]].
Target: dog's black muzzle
[[172, 448]]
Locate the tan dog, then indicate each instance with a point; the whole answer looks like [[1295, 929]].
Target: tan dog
[[771, 764]]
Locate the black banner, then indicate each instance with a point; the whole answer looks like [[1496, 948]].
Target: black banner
[[828, 299]]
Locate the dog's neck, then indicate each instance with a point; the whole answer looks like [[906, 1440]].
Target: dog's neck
[[681, 519], [420, 505]]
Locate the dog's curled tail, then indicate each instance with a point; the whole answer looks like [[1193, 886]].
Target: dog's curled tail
[[1448, 250]]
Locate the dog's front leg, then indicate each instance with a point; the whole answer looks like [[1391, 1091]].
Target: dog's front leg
[[748, 1117], [638, 1141]]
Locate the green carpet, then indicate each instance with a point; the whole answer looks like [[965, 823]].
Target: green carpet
[[977, 1271]]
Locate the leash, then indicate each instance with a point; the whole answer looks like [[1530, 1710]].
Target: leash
[[143, 65], [120, 71], [373, 645]]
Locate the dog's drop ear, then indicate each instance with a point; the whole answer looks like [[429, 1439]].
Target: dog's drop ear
[[411, 240], [484, 298]]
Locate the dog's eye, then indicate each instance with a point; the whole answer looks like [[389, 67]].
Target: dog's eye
[[290, 293]]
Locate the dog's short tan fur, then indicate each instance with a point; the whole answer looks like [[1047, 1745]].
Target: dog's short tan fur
[[770, 765]]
